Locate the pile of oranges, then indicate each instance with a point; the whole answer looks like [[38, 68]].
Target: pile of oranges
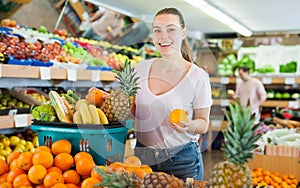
[[262, 177], [48, 167]]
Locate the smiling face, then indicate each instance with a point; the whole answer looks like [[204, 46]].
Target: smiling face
[[168, 34]]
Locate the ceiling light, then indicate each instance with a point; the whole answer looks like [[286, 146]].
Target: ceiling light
[[220, 16]]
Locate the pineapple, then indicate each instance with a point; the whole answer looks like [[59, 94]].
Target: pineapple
[[161, 180], [239, 141], [117, 180], [130, 180], [118, 104]]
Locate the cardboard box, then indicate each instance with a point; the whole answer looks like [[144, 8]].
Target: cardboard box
[[281, 164], [7, 122]]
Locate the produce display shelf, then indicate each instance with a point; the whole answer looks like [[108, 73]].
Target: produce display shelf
[[267, 103], [19, 71], [267, 79]]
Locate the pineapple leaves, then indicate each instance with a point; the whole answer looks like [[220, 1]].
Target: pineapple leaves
[[240, 137]]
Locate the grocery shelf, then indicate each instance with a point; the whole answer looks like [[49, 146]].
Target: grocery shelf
[[267, 103], [267, 79], [19, 71]]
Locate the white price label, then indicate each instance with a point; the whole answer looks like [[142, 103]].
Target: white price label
[[21, 120], [96, 76], [224, 102], [267, 80], [289, 80], [85, 16], [45, 73], [12, 112], [293, 104], [74, 1], [0, 70], [224, 80], [72, 75], [216, 123]]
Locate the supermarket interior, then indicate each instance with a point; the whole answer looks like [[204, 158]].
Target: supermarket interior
[[71, 106]]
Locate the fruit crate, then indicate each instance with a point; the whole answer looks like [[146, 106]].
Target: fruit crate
[[106, 143], [31, 96]]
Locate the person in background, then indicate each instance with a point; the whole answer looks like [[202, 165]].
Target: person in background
[[250, 90], [167, 83], [105, 25]]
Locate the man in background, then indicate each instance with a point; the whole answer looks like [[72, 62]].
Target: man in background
[[105, 25], [250, 90]]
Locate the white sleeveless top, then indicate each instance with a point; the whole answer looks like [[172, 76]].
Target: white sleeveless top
[[152, 111]]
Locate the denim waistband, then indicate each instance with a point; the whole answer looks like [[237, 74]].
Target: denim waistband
[[166, 152]]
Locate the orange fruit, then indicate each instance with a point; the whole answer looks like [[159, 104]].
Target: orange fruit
[[13, 174], [37, 173], [54, 169], [84, 166], [117, 167], [89, 182], [71, 185], [13, 164], [25, 160], [71, 176], [22, 180], [147, 169], [3, 178], [95, 96], [95, 174], [52, 178], [64, 161], [82, 154], [59, 185], [42, 148], [40, 186], [61, 146], [132, 160], [3, 167], [42, 158], [13, 155], [178, 115], [6, 185]]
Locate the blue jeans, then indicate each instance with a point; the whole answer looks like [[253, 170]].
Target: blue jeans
[[183, 161]]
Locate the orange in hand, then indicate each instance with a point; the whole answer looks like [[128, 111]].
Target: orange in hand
[[178, 115]]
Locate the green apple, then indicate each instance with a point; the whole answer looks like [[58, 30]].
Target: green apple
[[14, 140], [4, 152], [1, 146], [5, 141], [22, 142], [2, 158]]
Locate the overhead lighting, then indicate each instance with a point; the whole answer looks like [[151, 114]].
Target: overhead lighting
[[220, 16]]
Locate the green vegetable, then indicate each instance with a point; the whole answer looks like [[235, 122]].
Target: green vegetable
[[246, 61], [44, 112]]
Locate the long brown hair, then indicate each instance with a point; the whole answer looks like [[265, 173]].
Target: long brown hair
[[186, 49]]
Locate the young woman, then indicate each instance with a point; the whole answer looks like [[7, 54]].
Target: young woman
[[168, 83]]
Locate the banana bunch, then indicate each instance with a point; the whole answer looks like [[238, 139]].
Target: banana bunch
[[86, 113]]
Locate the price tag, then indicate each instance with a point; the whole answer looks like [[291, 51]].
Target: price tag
[[85, 16], [72, 75], [293, 104], [45, 73], [224, 80], [224, 102], [289, 80], [267, 80], [216, 123], [21, 120], [96, 76], [0, 70], [74, 1], [12, 112]]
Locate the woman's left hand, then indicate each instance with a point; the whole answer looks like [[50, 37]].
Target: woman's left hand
[[182, 128]]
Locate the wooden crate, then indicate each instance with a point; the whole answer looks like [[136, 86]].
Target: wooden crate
[[281, 164]]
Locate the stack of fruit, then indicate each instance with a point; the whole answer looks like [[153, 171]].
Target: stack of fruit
[[27, 141]]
